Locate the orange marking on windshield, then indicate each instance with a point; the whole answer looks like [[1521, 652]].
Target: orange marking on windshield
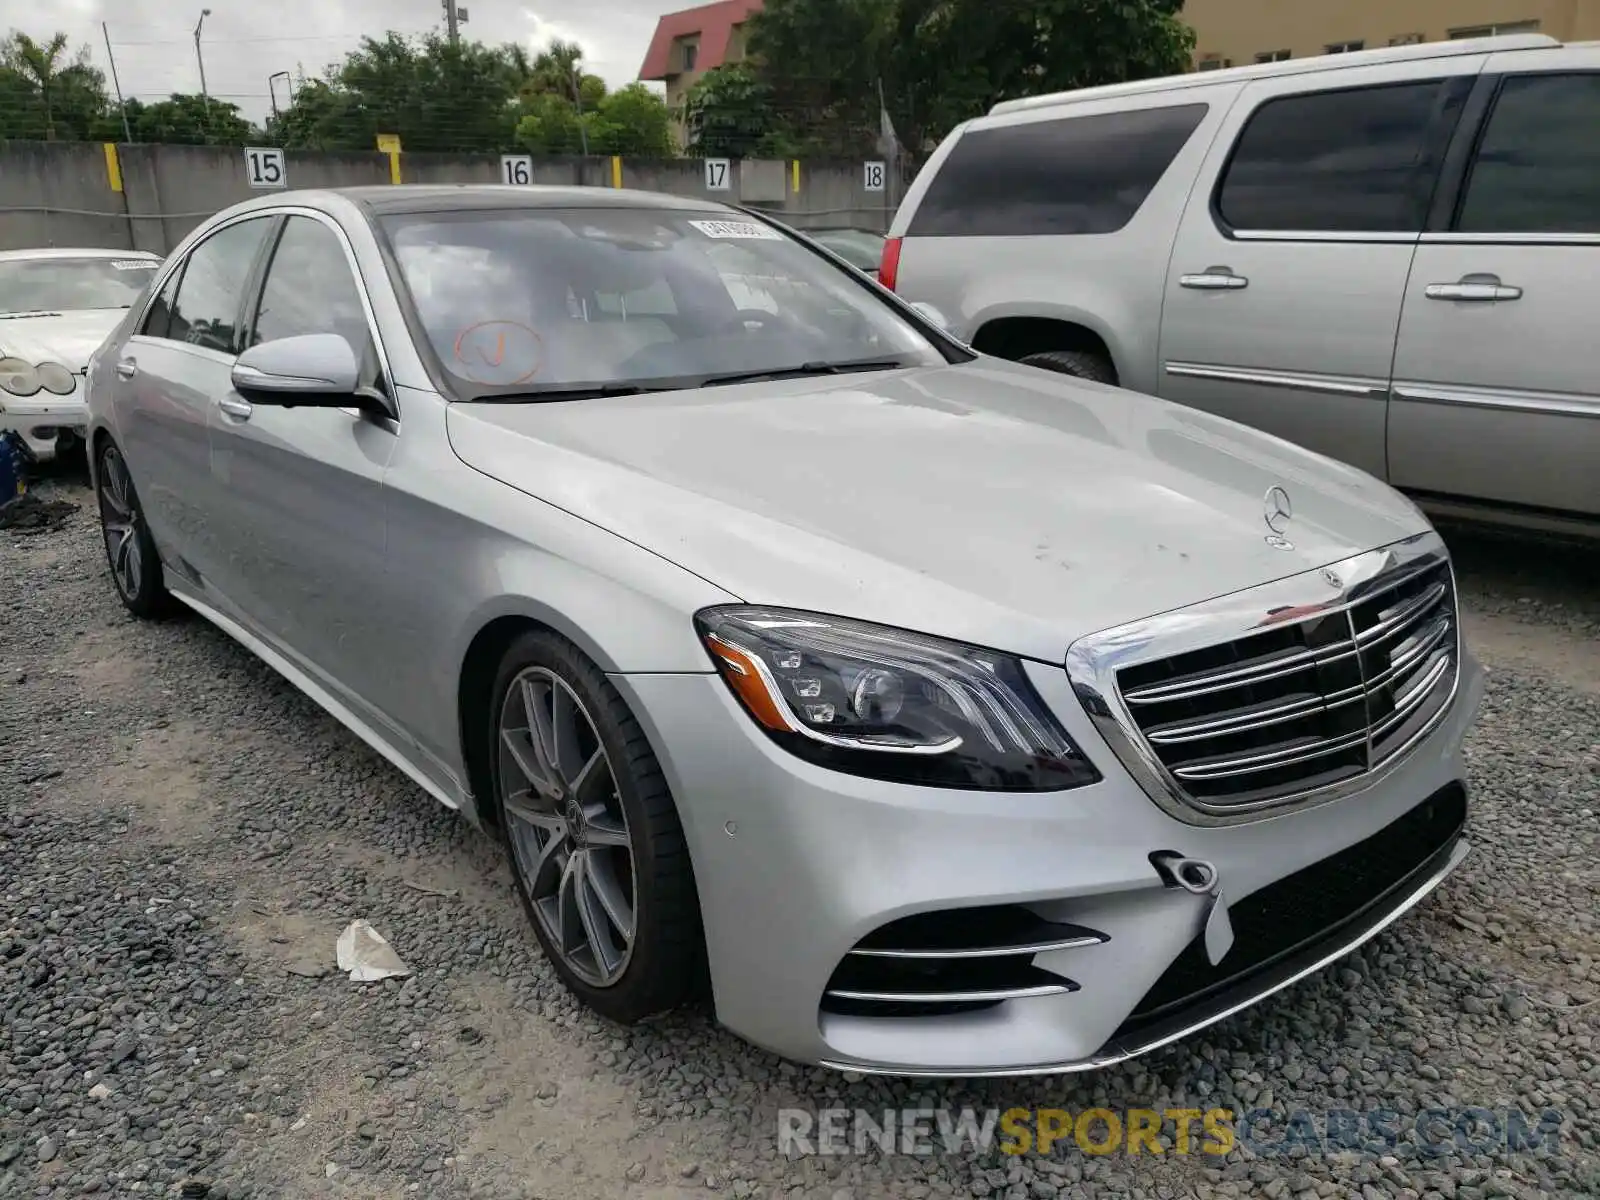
[[516, 355]]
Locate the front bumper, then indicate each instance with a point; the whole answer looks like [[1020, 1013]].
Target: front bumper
[[46, 423], [795, 865]]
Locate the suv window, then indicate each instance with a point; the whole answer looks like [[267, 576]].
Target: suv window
[[309, 288], [1351, 161], [1538, 163], [207, 306], [1068, 176]]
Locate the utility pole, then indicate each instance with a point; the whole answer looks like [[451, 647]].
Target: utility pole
[[116, 83], [454, 18], [205, 94]]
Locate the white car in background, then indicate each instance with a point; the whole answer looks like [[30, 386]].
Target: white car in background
[[56, 307]]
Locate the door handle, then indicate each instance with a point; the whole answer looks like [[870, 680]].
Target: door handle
[[1214, 279], [235, 407], [127, 368], [1481, 288]]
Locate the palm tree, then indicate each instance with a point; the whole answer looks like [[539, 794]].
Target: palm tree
[[41, 65]]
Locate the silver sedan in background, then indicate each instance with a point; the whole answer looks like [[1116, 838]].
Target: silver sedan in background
[[946, 716]]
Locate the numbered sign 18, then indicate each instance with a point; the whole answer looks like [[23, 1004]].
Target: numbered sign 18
[[718, 175], [516, 169], [263, 166], [872, 176]]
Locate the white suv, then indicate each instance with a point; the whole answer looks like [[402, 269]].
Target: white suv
[[1392, 257]]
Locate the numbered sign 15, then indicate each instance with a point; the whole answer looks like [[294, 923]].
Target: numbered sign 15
[[516, 169], [263, 166], [872, 176], [718, 175]]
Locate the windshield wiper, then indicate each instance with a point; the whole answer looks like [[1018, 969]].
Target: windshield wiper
[[585, 391], [28, 312], [804, 369]]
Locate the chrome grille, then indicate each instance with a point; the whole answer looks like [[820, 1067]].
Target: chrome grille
[[1328, 676]]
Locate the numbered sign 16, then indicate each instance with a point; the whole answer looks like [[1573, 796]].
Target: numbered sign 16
[[263, 166], [718, 175], [872, 176], [516, 169]]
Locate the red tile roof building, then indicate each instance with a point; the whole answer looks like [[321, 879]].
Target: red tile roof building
[[691, 42]]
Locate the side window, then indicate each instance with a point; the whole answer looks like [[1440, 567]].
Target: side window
[[158, 318], [207, 306], [310, 289], [1064, 176], [1349, 161], [1538, 163]]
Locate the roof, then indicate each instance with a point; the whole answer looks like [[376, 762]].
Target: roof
[[713, 22], [1293, 66], [69, 252], [391, 199]]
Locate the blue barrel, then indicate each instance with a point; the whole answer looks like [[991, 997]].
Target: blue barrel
[[13, 456]]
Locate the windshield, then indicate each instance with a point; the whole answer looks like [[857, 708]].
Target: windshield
[[544, 300], [64, 284]]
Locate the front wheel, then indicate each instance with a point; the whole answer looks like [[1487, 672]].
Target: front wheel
[[596, 847], [1083, 364], [130, 550]]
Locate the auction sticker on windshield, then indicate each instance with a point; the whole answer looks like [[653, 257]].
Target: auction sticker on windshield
[[133, 264], [737, 229]]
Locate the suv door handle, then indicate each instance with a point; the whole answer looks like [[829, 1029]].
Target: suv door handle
[[1473, 287], [127, 368], [1214, 279], [235, 407]]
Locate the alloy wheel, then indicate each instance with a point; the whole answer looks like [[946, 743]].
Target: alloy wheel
[[119, 522], [568, 831]]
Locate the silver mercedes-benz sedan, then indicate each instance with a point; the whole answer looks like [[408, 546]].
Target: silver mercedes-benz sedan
[[942, 715]]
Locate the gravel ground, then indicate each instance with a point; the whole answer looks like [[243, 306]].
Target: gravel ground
[[182, 836]]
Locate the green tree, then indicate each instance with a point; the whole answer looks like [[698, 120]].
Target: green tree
[[46, 92], [730, 113], [632, 120], [550, 125], [186, 119]]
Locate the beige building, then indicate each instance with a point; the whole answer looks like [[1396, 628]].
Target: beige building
[[1232, 33], [688, 43]]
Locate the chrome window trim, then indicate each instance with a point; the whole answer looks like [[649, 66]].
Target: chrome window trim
[[362, 287], [1092, 664], [1511, 239], [1322, 235], [1550, 404], [1341, 385]]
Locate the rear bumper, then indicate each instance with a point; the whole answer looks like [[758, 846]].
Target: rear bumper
[[796, 865], [45, 423]]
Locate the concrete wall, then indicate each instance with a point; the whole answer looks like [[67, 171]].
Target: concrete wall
[[62, 194]]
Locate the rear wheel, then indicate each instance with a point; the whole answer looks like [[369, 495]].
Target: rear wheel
[[594, 839], [130, 550], [1084, 364]]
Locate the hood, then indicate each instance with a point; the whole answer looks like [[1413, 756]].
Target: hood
[[995, 503], [68, 338]]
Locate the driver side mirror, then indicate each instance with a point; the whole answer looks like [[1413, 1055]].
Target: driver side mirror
[[317, 370]]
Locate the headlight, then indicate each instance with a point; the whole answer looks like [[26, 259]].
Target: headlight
[[881, 702], [53, 377], [19, 377]]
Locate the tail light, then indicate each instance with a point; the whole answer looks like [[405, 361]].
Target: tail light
[[889, 267]]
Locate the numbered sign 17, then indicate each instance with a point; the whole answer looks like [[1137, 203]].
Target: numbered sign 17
[[718, 175], [872, 176], [263, 167], [516, 169]]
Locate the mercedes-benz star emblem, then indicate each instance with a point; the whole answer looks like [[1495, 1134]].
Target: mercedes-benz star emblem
[[1277, 509]]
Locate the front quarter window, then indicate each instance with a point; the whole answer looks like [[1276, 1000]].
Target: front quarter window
[[532, 301]]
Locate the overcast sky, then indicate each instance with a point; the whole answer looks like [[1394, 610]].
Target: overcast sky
[[244, 43]]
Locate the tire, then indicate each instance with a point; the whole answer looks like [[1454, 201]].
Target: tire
[[630, 822], [1084, 364], [130, 550]]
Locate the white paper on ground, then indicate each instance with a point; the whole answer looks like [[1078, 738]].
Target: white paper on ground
[[367, 955]]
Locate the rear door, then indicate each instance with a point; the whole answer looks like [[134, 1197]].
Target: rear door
[[168, 377], [1496, 391], [300, 490], [1284, 287]]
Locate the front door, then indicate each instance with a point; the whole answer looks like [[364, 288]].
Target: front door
[[1284, 288], [1496, 395], [303, 510]]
